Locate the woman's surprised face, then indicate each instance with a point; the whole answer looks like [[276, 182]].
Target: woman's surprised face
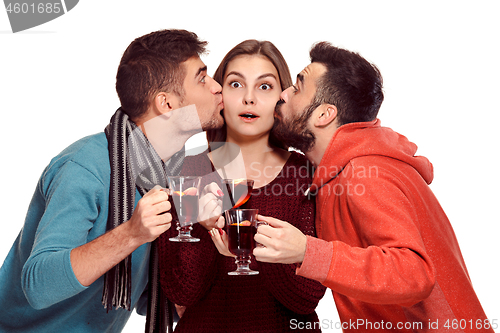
[[250, 91]]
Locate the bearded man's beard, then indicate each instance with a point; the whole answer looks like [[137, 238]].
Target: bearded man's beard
[[294, 132]]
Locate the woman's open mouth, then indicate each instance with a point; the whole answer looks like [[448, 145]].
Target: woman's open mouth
[[248, 117]]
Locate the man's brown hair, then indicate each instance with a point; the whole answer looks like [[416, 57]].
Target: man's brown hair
[[152, 64]]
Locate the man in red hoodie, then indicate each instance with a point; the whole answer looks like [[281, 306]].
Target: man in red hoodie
[[386, 248]]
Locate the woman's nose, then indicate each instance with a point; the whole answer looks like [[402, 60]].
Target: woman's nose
[[249, 98]]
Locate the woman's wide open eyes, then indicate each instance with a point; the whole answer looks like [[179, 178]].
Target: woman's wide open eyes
[[235, 84], [266, 86], [263, 86]]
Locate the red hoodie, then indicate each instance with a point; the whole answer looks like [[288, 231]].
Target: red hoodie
[[386, 248]]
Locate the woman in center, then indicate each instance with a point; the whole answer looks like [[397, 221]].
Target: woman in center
[[195, 275]]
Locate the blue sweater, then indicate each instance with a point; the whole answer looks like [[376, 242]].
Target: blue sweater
[[38, 288]]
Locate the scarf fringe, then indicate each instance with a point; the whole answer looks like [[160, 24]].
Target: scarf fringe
[[117, 295], [134, 165]]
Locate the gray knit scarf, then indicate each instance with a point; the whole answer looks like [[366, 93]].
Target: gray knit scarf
[[134, 164]]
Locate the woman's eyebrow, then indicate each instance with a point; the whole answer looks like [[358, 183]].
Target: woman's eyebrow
[[259, 78], [235, 73], [267, 75]]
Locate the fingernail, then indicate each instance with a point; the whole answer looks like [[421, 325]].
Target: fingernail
[[221, 232], [220, 193]]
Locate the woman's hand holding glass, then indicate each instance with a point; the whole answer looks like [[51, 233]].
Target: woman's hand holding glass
[[221, 241], [210, 207]]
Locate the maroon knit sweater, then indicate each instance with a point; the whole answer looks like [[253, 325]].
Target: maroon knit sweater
[[195, 274]]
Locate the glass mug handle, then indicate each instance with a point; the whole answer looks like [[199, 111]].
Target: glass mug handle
[[257, 225]]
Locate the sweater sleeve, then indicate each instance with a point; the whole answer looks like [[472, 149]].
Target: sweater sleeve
[[71, 199], [297, 293], [391, 265], [187, 270]]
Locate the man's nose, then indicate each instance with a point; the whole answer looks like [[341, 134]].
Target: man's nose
[[285, 93], [215, 87]]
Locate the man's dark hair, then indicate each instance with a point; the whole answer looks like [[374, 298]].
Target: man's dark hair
[[152, 64], [350, 83]]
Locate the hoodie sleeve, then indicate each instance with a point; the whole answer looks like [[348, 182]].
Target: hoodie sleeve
[[382, 258]]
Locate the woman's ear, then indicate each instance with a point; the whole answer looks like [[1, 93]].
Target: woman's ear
[[325, 115]]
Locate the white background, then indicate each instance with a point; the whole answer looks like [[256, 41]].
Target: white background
[[439, 60]]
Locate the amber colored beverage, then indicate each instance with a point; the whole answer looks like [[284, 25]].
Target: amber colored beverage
[[240, 229], [241, 238], [184, 191], [239, 192], [186, 206]]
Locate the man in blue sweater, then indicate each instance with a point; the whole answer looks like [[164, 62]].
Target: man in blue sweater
[[53, 277]]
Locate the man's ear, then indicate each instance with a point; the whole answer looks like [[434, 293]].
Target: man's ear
[[165, 102], [325, 114]]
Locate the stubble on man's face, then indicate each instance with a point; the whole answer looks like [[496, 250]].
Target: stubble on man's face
[[213, 123], [202, 91], [294, 132], [216, 121]]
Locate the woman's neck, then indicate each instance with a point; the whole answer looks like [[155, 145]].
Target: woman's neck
[[257, 160], [254, 150]]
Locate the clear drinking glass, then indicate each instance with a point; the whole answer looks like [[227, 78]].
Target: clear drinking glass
[[236, 192], [241, 229], [184, 192]]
